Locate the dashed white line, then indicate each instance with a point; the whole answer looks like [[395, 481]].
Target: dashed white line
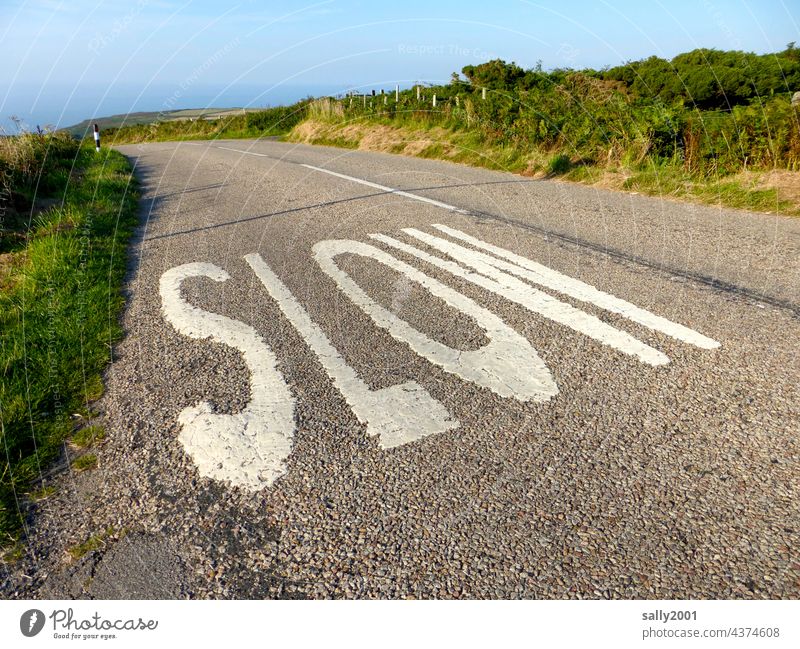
[[227, 148]]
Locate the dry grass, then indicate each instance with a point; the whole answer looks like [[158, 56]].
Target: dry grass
[[785, 183], [326, 109], [378, 137]]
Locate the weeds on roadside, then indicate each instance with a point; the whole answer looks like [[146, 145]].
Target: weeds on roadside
[[94, 542], [59, 301], [88, 436]]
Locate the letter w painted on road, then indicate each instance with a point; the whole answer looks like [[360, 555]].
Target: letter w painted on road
[[499, 275]]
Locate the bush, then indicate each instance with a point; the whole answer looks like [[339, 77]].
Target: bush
[[559, 164], [31, 162]]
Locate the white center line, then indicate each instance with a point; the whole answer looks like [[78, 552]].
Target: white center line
[[389, 190], [384, 188], [227, 148]]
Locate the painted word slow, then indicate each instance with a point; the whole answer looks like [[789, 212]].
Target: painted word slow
[[249, 449]]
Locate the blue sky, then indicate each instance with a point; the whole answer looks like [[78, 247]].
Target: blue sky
[[68, 60]]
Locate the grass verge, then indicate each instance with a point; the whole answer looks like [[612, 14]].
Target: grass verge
[[60, 302]]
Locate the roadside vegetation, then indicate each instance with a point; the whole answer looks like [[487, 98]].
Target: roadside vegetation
[[66, 213], [709, 126]]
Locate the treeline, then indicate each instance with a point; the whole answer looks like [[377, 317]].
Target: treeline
[[703, 78], [710, 112]]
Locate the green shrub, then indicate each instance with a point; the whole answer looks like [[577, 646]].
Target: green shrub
[[559, 164]]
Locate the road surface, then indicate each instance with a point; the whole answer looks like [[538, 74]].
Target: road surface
[[350, 374]]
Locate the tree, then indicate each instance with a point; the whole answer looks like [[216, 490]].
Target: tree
[[495, 75]]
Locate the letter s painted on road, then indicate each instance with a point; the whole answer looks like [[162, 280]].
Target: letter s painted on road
[[249, 448]]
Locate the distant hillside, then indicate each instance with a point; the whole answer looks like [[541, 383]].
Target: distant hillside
[[131, 119]]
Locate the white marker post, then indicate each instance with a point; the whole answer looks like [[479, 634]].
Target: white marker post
[[434, 100], [96, 138], [397, 93]]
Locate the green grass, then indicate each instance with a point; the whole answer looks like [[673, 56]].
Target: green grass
[[59, 309], [88, 436], [85, 462], [559, 164], [674, 182], [42, 493], [649, 175]]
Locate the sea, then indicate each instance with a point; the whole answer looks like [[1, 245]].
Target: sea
[[61, 105]]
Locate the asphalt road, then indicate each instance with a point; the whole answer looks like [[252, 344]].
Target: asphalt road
[[350, 374]]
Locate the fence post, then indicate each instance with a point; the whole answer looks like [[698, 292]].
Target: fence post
[[96, 138]]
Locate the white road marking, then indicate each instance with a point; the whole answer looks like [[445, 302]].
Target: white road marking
[[508, 365], [384, 188], [398, 414], [549, 278], [227, 148], [388, 190], [511, 288], [248, 449]]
